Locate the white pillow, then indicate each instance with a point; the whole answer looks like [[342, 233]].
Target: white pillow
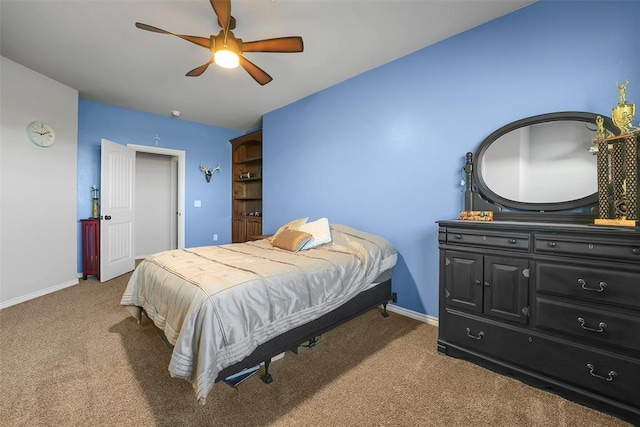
[[320, 231]]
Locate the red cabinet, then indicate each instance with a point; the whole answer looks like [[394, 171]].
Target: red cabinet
[[90, 248]]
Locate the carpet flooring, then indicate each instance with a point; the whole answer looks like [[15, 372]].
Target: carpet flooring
[[75, 358]]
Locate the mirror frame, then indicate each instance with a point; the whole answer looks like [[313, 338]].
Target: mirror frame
[[488, 194]]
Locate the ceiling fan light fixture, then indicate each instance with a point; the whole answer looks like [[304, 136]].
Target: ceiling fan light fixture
[[226, 58], [227, 50]]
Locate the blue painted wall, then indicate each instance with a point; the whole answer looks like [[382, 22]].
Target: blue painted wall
[[383, 151], [202, 143]]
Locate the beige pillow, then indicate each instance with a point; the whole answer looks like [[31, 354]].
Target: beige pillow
[[291, 240], [294, 225]]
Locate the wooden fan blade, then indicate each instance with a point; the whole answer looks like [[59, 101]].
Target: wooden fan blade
[[200, 41], [280, 44], [222, 8], [254, 71], [198, 71]]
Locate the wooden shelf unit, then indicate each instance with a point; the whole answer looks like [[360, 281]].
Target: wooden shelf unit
[[246, 193]]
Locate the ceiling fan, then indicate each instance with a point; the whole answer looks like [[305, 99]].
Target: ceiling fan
[[227, 50]]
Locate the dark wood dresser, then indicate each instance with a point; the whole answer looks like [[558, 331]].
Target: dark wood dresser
[[554, 305]]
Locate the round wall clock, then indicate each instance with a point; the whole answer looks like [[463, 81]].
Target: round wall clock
[[41, 134]]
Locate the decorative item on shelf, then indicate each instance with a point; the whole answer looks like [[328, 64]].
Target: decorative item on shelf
[[476, 215], [246, 175], [618, 168], [208, 173], [95, 212]]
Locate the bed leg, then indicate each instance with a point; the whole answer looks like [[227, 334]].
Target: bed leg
[[385, 313], [266, 377]]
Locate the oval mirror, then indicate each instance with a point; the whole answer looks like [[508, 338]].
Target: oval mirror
[[541, 163]]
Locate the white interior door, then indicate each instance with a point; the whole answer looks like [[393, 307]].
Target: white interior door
[[117, 196]]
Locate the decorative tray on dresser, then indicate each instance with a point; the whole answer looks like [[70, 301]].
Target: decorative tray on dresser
[[555, 305], [532, 288]]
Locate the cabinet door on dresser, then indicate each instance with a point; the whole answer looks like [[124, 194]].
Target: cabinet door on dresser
[[506, 282], [493, 285], [463, 280]]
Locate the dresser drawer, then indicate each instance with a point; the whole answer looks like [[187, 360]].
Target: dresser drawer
[[618, 249], [598, 284], [601, 372], [489, 338], [502, 240], [585, 321]]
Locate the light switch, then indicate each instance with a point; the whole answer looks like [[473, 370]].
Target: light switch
[[197, 203]]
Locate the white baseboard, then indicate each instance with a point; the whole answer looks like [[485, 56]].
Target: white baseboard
[[413, 314], [36, 294]]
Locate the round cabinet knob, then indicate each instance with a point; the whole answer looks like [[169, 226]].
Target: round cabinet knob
[[635, 251]]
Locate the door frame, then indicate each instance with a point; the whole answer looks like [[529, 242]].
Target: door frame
[[181, 155]]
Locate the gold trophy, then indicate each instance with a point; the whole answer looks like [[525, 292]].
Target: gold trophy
[[623, 113], [618, 195], [94, 198]]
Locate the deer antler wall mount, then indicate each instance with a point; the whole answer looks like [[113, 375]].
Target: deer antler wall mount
[[208, 173]]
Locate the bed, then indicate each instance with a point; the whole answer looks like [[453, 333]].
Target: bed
[[229, 307]]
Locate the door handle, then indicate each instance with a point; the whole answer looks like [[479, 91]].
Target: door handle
[[107, 217]]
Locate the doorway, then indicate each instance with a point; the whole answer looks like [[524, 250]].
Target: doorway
[[156, 204], [160, 201]]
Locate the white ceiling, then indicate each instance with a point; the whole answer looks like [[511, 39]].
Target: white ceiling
[[94, 47]]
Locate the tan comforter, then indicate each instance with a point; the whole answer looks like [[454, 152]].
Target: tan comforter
[[216, 304]]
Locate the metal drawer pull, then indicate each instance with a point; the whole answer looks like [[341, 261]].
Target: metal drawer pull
[[583, 284], [551, 244], [601, 326], [458, 236], [612, 374], [475, 337], [635, 251], [513, 241]]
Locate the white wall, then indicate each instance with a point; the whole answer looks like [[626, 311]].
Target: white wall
[[38, 220]]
